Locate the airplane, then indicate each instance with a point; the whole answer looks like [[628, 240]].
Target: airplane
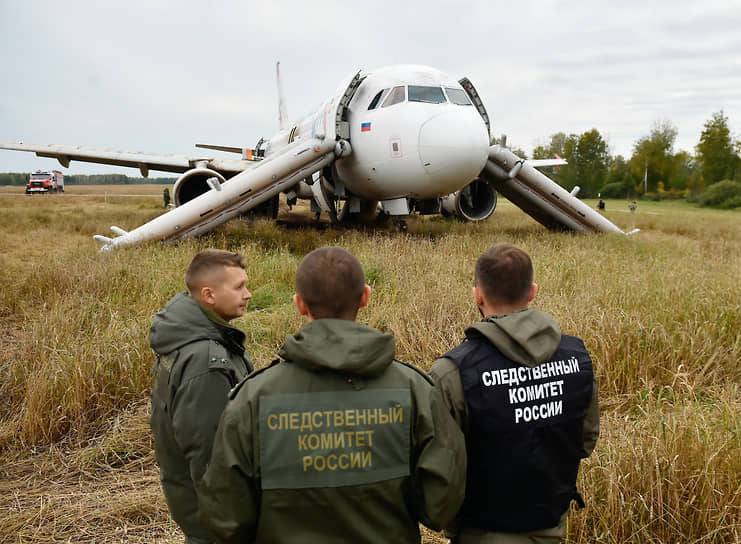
[[394, 141]]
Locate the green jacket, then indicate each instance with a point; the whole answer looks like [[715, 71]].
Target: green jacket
[[529, 337], [337, 443], [200, 357]]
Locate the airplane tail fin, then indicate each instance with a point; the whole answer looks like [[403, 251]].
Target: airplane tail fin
[[282, 114]]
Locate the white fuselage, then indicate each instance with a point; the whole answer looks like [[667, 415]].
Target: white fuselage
[[414, 133], [412, 148]]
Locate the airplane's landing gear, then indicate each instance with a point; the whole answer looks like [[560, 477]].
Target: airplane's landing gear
[[316, 210], [331, 201], [357, 211]]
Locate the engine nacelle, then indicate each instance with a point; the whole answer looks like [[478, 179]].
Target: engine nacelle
[[475, 202], [193, 183]]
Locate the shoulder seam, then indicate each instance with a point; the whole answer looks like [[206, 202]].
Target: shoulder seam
[[417, 370]]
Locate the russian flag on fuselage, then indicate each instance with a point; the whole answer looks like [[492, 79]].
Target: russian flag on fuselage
[[365, 127]]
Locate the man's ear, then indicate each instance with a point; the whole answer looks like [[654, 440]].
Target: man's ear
[[478, 296], [365, 297], [533, 292], [301, 306], [207, 295]]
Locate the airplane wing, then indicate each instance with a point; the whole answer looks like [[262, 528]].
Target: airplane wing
[[143, 161], [539, 196], [241, 193], [309, 147]]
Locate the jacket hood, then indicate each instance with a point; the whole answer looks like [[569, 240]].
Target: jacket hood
[[527, 336], [340, 345], [183, 321]]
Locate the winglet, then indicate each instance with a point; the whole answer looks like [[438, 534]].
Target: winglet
[[282, 114], [106, 241], [119, 231]]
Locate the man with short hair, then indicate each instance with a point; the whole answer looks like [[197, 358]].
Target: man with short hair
[[338, 442], [200, 357], [526, 398]]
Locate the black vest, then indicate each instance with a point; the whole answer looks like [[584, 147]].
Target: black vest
[[525, 435]]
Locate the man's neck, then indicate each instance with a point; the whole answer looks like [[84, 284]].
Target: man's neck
[[500, 309], [213, 316]]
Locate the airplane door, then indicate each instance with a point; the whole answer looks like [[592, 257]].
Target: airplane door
[[476, 99]]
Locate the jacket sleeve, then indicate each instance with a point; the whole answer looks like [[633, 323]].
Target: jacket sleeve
[[440, 471], [591, 422], [229, 492], [447, 380], [196, 409]]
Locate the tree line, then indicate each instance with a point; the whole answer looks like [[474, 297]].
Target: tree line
[[21, 178], [654, 170]]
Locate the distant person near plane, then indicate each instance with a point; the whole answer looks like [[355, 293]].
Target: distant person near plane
[[200, 357], [526, 398], [338, 442]]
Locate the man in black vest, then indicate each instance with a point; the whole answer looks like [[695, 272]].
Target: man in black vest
[[526, 398]]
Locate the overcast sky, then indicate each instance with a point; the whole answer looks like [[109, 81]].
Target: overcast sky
[[161, 76]]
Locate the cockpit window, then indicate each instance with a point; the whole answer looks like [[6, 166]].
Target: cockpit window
[[377, 99], [458, 96], [432, 95], [397, 95]]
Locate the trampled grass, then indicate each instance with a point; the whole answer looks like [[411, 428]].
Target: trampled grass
[[660, 312]]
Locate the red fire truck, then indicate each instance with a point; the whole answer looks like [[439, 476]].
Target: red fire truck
[[45, 182]]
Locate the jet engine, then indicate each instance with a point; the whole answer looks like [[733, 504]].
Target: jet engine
[[197, 181], [193, 183], [475, 202]]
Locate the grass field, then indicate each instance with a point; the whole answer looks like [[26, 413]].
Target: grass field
[[660, 312]]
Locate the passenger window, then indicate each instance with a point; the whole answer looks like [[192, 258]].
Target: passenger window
[[377, 99], [431, 95], [397, 95], [458, 96]]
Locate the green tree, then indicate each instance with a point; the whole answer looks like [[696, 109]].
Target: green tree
[[541, 152], [562, 145], [620, 183], [592, 161], [717, 152], [681, 168], [653, 157], [14, 178], [565, 147], [587, 158]]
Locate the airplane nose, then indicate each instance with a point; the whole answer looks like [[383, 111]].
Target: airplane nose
[[453, 146]]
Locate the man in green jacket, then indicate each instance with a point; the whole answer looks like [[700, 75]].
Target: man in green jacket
[[526, 398], [338, 442], [200, 357]]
